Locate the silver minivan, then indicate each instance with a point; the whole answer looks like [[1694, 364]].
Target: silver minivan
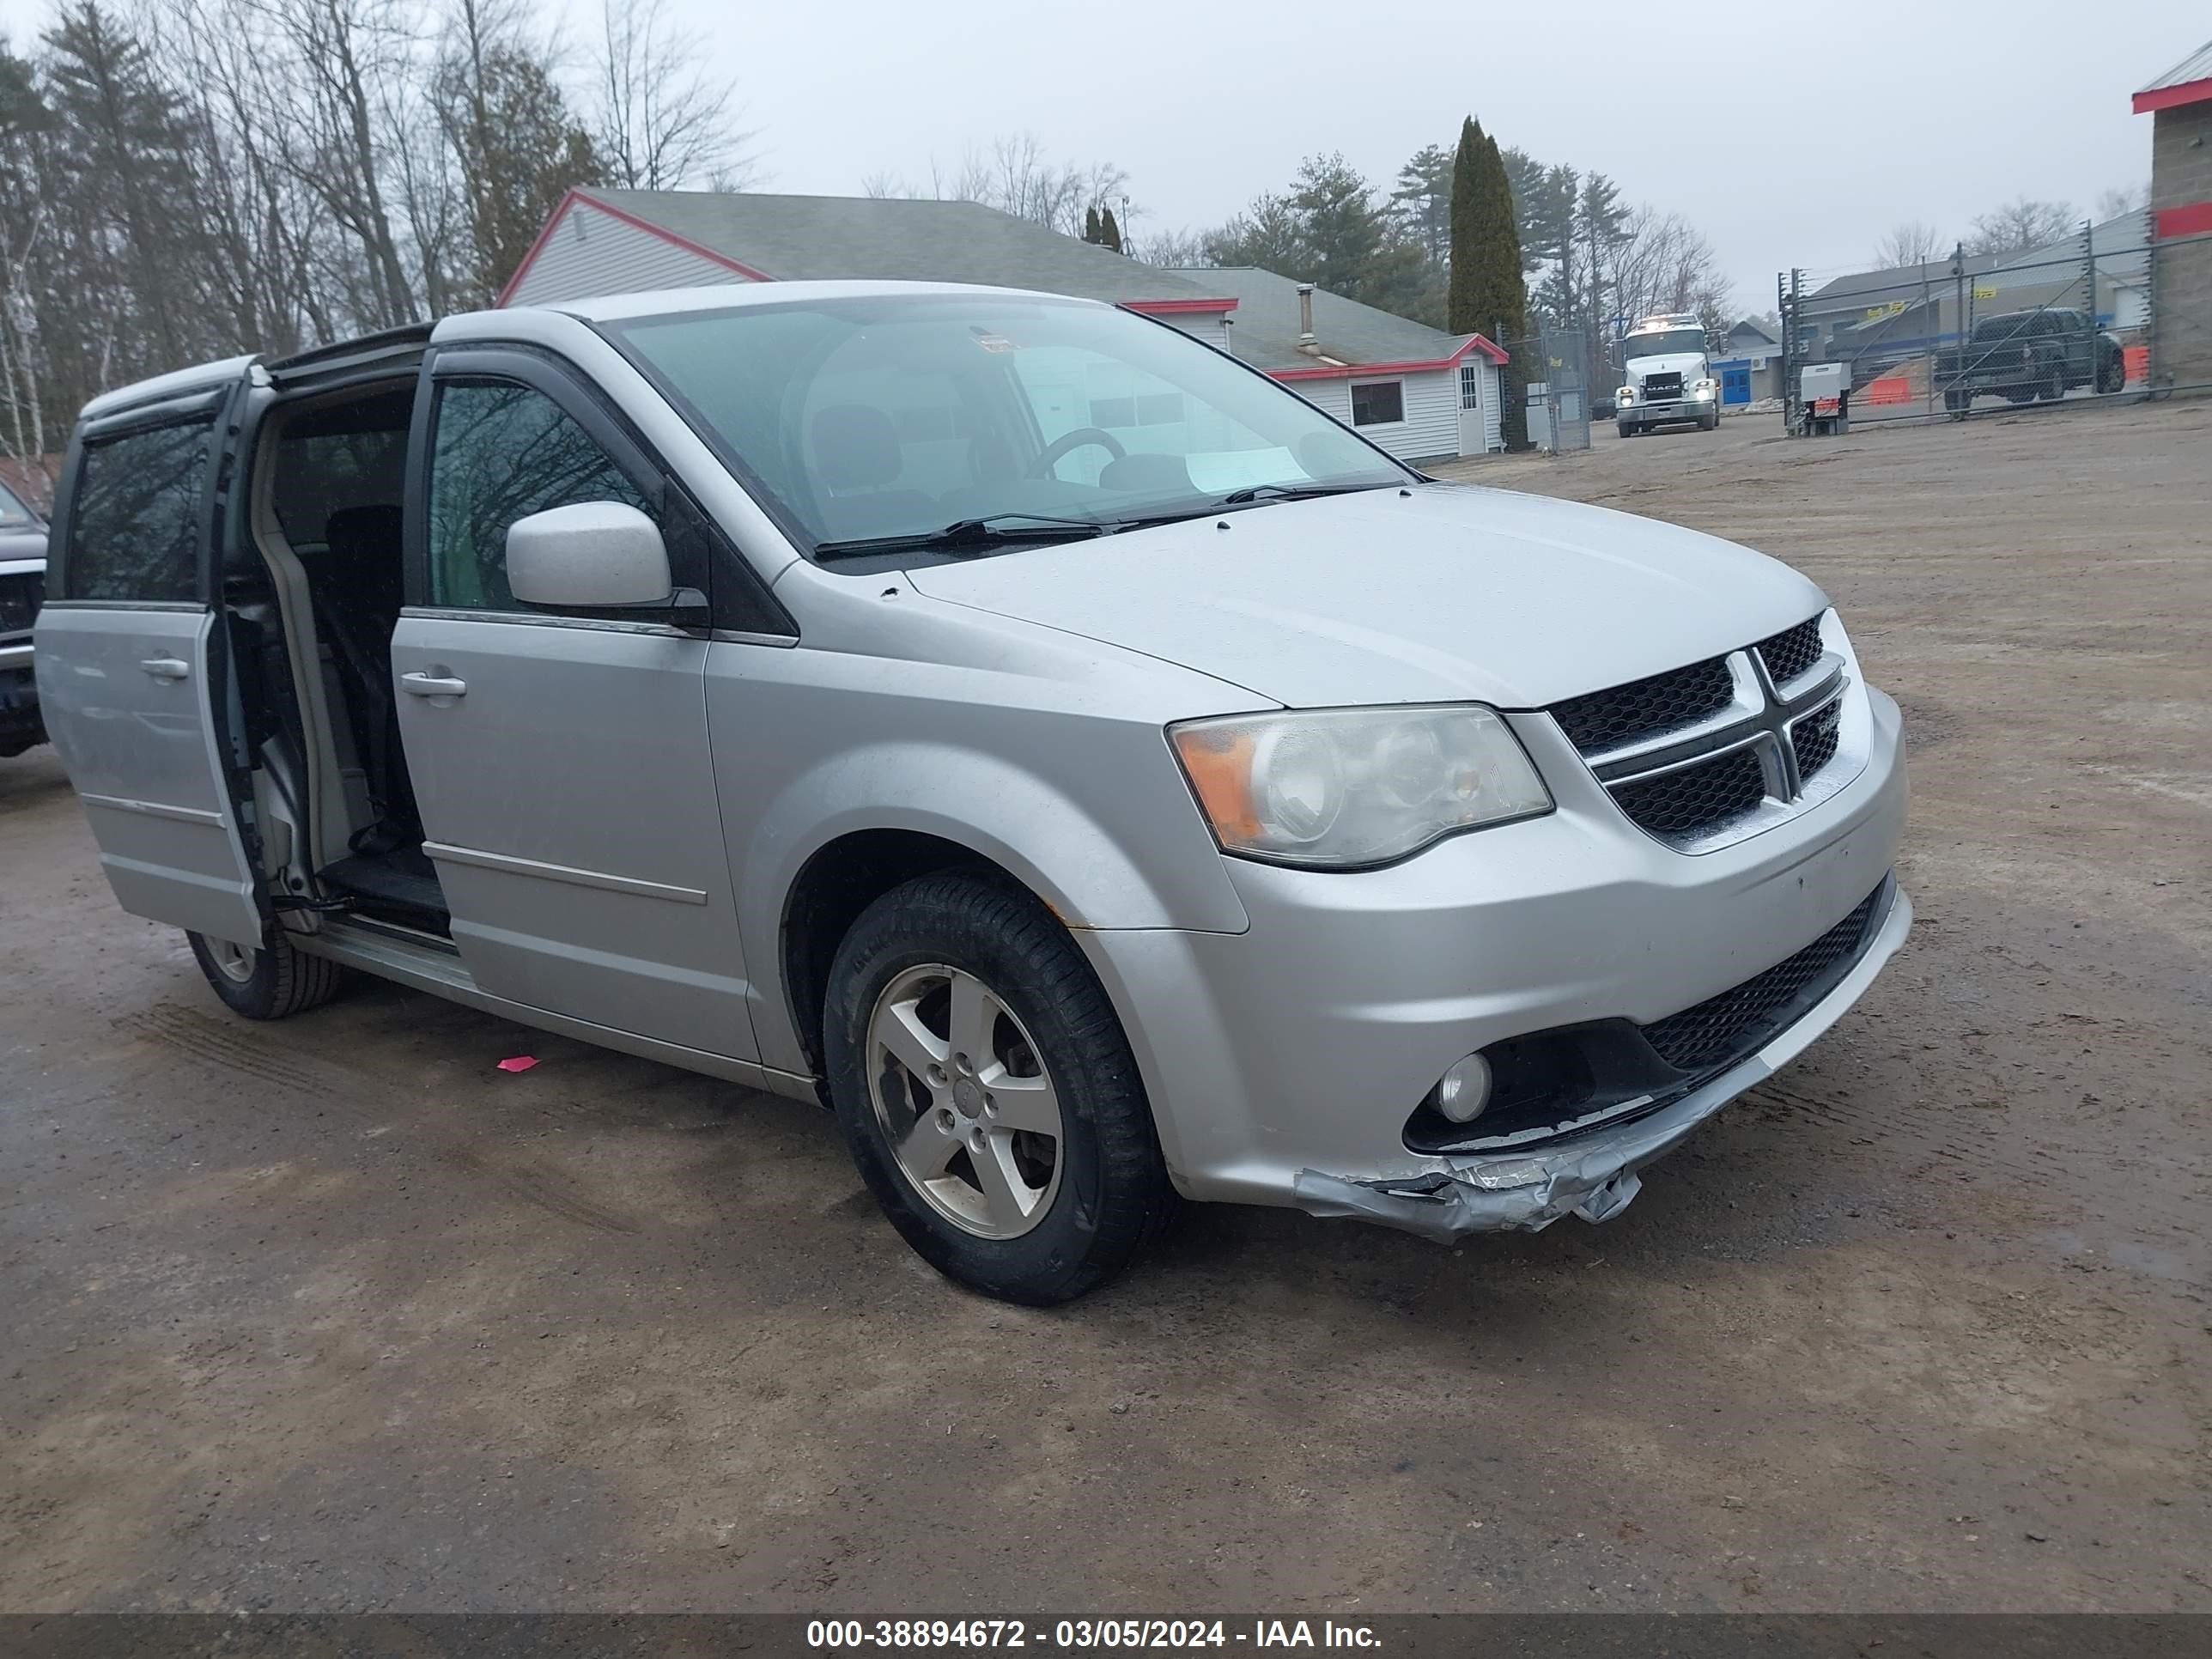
[[1095, 773]]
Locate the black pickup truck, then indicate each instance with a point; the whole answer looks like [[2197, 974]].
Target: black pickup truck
[[2025, 354]]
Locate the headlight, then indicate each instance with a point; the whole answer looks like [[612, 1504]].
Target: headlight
[[1626, 394], [1704, 390], [1345, 788]]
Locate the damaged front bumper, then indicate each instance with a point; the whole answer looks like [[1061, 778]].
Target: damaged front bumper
[[1593, 1176]]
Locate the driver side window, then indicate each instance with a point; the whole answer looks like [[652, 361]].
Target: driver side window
[[502, 451]]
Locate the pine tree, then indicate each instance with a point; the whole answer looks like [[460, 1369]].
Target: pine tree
[[1090, 229], [1109, 231], [1489, 292]]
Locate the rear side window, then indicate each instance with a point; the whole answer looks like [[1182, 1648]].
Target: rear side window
[[138, 517], [503, 452]]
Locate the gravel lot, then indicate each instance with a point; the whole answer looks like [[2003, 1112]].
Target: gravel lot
[[332, 1314]]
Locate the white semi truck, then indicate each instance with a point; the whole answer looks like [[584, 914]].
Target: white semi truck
[[1666, 378]]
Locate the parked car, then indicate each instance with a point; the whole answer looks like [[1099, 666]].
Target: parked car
[[2021, 356], [1096, 774], [22, 583]]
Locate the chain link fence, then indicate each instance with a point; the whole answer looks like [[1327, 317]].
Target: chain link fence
[[1558, 391], [2114, 314]]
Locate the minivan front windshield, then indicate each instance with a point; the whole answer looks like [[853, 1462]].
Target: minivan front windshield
[[964, 422]]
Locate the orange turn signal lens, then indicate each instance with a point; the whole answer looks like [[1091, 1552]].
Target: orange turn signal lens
[[1219, 765]]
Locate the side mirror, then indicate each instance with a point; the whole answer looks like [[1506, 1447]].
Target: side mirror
[[595, 555]]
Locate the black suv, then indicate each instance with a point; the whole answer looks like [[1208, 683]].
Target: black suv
[[22, 586]]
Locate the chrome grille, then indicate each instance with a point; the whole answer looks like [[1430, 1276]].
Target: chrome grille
[[1792, 652], [1697, 756], [1734, 1024]]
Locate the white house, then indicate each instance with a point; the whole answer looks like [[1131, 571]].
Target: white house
[[1418, 393]]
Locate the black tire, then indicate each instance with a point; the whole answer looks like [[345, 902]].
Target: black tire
[[1955, 400], [1709, 420], [2111, 372], [2053, 387], [1626, 430], [1113, 1196], [275, 983]]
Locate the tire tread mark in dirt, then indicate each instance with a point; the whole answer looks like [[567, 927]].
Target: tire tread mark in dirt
[[222, 1048]]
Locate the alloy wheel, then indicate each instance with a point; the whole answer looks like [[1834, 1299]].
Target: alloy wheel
[[964, 1101], [234, 962]]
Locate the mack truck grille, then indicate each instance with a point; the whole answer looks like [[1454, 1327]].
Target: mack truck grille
[[1663, 388], [1692, 755]]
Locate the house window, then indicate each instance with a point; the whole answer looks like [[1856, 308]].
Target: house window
[[1378, 402], [1470, 385]]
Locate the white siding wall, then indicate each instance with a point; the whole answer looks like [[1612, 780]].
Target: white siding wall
[[591, 252], [1430, 428], [1202, 325], [1335, 396]]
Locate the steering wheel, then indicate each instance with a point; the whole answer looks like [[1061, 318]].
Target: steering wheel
[[1075, 440]]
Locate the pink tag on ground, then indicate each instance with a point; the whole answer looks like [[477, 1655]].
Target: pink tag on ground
[[519, 1063]]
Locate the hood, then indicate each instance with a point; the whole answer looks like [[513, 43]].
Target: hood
[[1688, 364], [1445, 594], [19, 544]]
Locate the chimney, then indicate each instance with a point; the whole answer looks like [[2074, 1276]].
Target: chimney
[[1306, 342]]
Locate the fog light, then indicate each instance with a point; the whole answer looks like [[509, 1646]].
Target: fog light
[[1464, 1091]]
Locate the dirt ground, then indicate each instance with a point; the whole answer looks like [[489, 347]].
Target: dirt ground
[[332, 1314]]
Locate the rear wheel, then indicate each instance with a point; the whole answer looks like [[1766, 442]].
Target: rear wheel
[[271, 982], [988, 1093]]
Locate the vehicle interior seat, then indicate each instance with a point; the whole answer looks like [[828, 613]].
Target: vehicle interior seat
[[358, 586], [858, 458]]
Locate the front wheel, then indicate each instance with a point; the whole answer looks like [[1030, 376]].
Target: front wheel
[[269, 982], [1626, 430], [988, 1093], [1709, 420]]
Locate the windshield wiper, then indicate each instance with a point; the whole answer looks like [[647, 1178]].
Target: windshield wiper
[[999, 528], [1283, 492]]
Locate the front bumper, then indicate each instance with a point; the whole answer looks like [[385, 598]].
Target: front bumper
[[1593, 1174], [1661, 414], [1283, 1062]]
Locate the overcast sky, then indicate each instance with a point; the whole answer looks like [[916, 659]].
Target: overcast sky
[[1790, 135]]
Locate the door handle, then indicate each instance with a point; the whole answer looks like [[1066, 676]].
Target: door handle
[[419, 684], [166, 668]]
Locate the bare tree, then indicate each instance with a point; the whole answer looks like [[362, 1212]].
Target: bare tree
[[1911, 243], [1662, 263], [2020, 224], [1014, 176], [659, 122], [340, 74], [2120, 200], [1168, 247]]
